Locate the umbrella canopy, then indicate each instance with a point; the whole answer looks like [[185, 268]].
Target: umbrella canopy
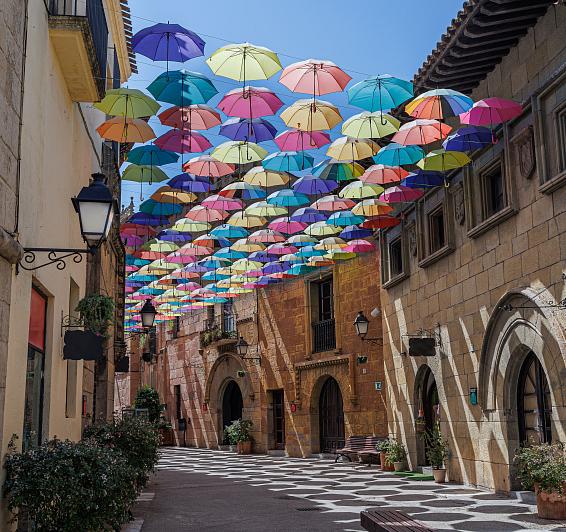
[[266, 236], [248, 129], [339, 254], [168, 42], [222, 203], [421, 132], [331, 242], [238, 152], [183, 141], [261, 256], [338, 171], [143, 174], [209, 240], [439, 104], [380, 93], [132, 103], [400, 194], [314, 76], [227, 253], [372, 207], [204, 214], [352, 149], [141, 218], [244, 61], [360, 246], [301, 269], [424, 179], [468, 139], [442, 160], [151, 155], [344, 219], [243, 219], [242, 190], [190, 183], [319, 229], [123, 130], [177, 237], [229, 231], [332, 203], [205, 165], [196, 116], [288, 161], [352, 232], [370, 125], [307, 115], [167, 194], [398, 155], [264, 209], [308, 215], [310, 184], [280, 249], [300, 241], [161, 209], [296, 140], [188, 225], [263, 177], [250, 102], [181, 87], [287, 198], [491, 111], [287, 226], [360, 190], [379, 174]]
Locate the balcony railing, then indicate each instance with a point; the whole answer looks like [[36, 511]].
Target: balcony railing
[[229, 323], [324, 336]]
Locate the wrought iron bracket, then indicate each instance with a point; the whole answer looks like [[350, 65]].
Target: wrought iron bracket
[[70, 322], [257, 359], [428, 333], [560, 305], [372, 341], [57, 256]]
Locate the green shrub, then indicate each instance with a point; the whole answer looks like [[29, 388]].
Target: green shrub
[[64, 486], [395, 453], [436, 447], [543, 465], [239, 431], [383, 445], [147, 397], [96, 312]]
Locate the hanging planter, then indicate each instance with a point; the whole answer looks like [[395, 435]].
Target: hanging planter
[[96, 313]]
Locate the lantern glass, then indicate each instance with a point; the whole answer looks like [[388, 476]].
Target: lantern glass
[[361, 323], [242, 347], [148, 313]]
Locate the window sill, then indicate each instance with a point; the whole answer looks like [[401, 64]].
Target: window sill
[[491, 222], [436, 256], [395, 280], [554, 183]]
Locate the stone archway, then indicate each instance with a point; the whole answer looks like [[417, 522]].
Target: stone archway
[[426, 404], [232, 403], [327, 415]]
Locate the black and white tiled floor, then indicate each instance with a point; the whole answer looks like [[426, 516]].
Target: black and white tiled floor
[[345, 489]]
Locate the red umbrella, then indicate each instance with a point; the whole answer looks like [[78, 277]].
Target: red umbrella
[[198, 116], [380, 222], [250, 102], [379, 174], [205, 165]]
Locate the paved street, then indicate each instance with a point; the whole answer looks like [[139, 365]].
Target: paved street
[[204, 490]]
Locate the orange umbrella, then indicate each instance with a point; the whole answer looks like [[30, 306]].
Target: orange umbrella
[[421, 132], [122, 129], [380, 174]]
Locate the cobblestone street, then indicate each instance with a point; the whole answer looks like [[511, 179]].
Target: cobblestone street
[[199, 489]]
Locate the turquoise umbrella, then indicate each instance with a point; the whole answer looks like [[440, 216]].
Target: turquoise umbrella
[[398, 155], [301, 269], [218, 289], [344, 219], [309, 251], [213, 277], [181, 87], [151, 155], [215, 300], [230, 231], [161, 209], [288, 161], [287, 198], [227, 253], [337, 171], [380, 93]]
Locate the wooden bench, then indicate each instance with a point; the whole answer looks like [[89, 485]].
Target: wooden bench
[[378, 520], [360, 446]]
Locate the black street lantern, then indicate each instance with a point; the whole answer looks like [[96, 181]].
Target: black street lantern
[[361, 323], [148, 314], [242, 347], [95, 207]]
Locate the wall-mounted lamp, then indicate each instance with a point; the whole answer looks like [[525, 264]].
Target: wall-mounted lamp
[[242, 349], [361, 324]]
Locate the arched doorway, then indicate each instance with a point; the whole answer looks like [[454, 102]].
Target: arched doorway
[[331, 417], [428, 410], [232, 403], [534, 406]]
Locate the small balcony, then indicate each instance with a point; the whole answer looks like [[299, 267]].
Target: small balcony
[[79, 34], [323, 336], [219, 331]]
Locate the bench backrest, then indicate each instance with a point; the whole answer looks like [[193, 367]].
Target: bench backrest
[[363, 442]]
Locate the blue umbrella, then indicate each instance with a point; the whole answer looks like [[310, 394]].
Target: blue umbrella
[[287, 198], [151, 155], [191, 183], [353, 232], [251, 130], [262, 256], [398, 155], [230, 231], [141, 262], [308, 215], [309, 251], [380, 93], [424, 179], [146, 290], [160, 209], [288, 161], [213, 276], [211, 263], [177, 237], [276, 267], [215, 300], [142, 218], [468, 139], [227, 253], [310, 184], [300, 269], [344, 219], [264, 280], [181, 87]]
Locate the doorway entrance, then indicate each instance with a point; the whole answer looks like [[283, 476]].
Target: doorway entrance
[[428, 411], [278, 419], [232, 404], [534, 406], [331, 417]]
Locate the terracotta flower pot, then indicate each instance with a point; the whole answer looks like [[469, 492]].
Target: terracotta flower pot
[[384, 466], [551, 505], [439, 475], [244, 447], [399, 466]]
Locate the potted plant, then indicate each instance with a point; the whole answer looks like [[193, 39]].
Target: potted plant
[[230, 439], [396, 455], [436, 452], [148, 398], [166, 435], [96, 313], [542, 468], [383, 447], [239, 433]]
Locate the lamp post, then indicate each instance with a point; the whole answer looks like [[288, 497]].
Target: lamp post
[[242, 349], [148, 314], [361, 324], [95, 206]]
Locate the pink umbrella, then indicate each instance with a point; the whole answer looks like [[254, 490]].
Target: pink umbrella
[[314, 76], [205, 165], [131, 268], [205, 214], [379, 174], [333, 203], [296, 140], [222, 203], [267, 236], [184, 274], [491, 111], [150, 255], [359, 246], [250, 102], [202, 292], [401, 194], [198, 116], [195, 249], [182, 257], [183, 141], [188, 287], [286, 226], [280, 249], [421, 132]]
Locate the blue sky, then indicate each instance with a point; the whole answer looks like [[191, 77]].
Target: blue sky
[[363, 37]]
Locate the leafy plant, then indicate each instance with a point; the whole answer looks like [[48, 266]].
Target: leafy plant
[[395, 453], [436, 447], [239, 431], [542, 467], [64, 486], [96, 312], [147, 397], [383, 445]]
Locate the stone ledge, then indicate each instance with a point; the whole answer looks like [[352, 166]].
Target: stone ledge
[[10, 248]]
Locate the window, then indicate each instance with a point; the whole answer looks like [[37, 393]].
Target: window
[[395, 258], [178, 410], [436, 229], [228, 318], [561, 130], [326, 311], [176, 327], [322, 315], [210, 317], [493, 190]]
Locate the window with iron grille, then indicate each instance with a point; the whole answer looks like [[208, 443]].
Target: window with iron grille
[[228, 317], [322, 315]]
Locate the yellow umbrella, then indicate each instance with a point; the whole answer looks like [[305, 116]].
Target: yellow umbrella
[[322, 229], [330, 243], [244, 61], [352, 149], [442, 160], [225, 283], [247, 246], [238, 290], [246, 265], [337, 254], [371, 207], [360, 190], [259, 176], [161, 246], [307, 115], [263, 209], [185, 225], [368, 125], [238, 152], [241, 279], [120, 129], [166, 194], [243, 219]]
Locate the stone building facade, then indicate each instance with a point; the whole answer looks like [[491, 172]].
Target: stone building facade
[[302, 382], [478, 267]]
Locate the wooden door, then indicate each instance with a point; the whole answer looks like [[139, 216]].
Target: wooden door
[[331, 417], [278, 419]]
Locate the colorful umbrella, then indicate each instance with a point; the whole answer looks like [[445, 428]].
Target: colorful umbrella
[[287, 226], [238, 152], [264, 209], [442, 160], [309, 251], [296, 140], [242, 190], [287, 198], [314, 76], [310, 184], [222, 203], [211, 241], [308, 215], [352, 232], [250, 102], [318, 229], [229, 231], [344, 219], [339, 254], [187, 225], [360, 246], [261, 256], [151, 155], [280, 249], [288, 161], [360, 190], [300, 241], [167, 194], [370, 125], [183, 141], [227, 253], [351, 149], [439, 104], [243, 219], [266, 236], [338, 171], [319, 262], [423, 179], [263, 177], [182, 87], [160, 209], [178, 237], [371, 207], [205, 214], [400, 194], [205, 165], [330, 243], [142, 218], [301, 269], [196, 116], [378, 174], [421, 132], [123, 130], [332, 203], [468, 139], [143, 174], [491, 111], [398, 155], [246, 129], [380, 93], [307, 115], [132, 103], [191, 183]]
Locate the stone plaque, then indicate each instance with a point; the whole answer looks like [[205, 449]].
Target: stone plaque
[[412, 239], [524, 144], [459, 204]]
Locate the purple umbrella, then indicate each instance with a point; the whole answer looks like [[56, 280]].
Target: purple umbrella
[[308, 215], [194, 267], [191, 183], [353, 232], [262, 256], [168, 42], [468, 139], [148, 219], [310, 184], [177, 237], [276, 267], [252, 130]]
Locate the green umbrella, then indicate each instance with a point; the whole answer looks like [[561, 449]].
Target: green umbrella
[[238, 152], [370, 125], [442, 160], [144, 174], [132, 103]]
